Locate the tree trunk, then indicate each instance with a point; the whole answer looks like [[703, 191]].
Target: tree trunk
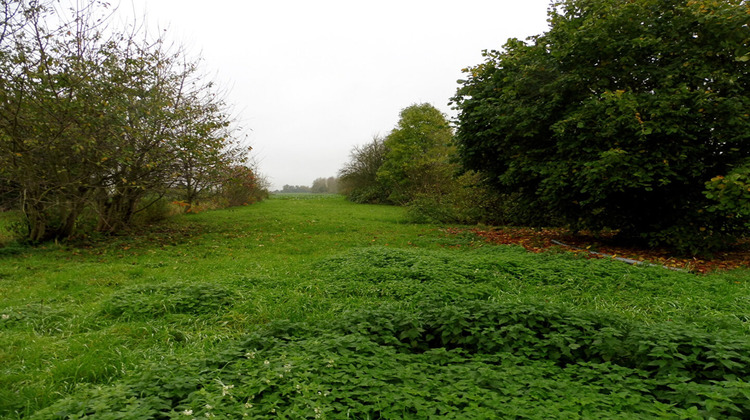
[[116, 212]]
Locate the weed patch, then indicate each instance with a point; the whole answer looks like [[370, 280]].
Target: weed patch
[[511, 274], [412, 275], [156, 300], [318, 308], [474, 359], [40, 318]]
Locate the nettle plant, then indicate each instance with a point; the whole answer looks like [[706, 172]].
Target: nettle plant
[[148, 301], [473, 359]]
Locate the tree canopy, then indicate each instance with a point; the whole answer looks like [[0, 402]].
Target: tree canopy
[[95, 118], [358, 179], [620, 116], [419, 149], [414, 159]]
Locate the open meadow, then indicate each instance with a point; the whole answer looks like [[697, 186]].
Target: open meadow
[[309, 306]]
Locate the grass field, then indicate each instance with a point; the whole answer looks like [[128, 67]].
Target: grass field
[[312, 307]]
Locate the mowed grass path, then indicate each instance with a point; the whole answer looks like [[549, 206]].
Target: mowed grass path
[[76, 317]]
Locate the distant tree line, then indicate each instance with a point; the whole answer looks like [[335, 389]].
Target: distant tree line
[[295, 189], [630, 116], [328, 185], [319, 186], [415, 165], [97, 124]]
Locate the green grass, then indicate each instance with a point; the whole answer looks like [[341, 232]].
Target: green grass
[[7, 220], [154, 324]]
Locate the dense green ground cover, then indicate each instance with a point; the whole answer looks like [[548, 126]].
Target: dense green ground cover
[[313, 307]]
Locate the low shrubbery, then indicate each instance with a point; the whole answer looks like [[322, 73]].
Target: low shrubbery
[[312, 307], [513, 274], [476, 359], [464, 200]]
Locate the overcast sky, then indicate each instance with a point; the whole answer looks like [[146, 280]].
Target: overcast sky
[[310, 79]]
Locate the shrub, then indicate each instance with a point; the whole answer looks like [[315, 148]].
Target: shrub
[[465, 200], [472, 359], [242, 187], [153, 209]]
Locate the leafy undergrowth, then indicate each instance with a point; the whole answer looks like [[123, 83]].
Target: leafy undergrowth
[[463, 360], [650, 294], [538, 240], [319, 308], [475, 334], [152, 301]]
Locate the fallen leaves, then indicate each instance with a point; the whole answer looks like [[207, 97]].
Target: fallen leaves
[[539, 240]]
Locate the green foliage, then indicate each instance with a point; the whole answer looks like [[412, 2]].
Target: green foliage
[[617, 117], [361, 315], [414, 166], [42, 319], [465, 199], [153, 209], [9, 221], [474, 359], [373, 194], [419, 149], [130, 119], [156, 300], [359, 177], [411, 276], [731, 193]]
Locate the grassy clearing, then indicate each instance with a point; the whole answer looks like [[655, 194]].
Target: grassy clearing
[[358, 312]]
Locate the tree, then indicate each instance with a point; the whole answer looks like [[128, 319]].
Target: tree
[[617, 117], [358, 179], [97, 119], [325, 185], [48, 115], [207, 151], [419, 149]]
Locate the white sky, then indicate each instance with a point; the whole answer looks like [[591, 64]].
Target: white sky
[[311, 79]]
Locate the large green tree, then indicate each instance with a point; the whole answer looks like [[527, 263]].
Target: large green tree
[[419, 151], [620, 116]]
